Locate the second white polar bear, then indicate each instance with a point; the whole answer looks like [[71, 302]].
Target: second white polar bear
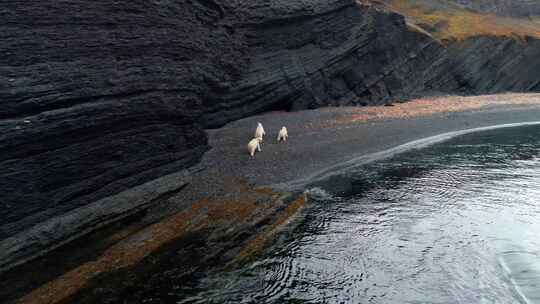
[[259, 132], [283, 134]]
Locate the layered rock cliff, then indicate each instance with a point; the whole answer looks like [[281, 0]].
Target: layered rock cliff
[[104, 103]]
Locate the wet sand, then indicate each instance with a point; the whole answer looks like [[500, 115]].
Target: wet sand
[[231, 204]]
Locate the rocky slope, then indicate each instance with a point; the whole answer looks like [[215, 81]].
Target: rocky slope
[[104, 103]]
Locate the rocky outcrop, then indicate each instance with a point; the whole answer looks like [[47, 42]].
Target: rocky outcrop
[[102, 98], [485, 65]]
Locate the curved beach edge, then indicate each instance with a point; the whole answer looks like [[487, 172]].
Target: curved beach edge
[[361, 160]]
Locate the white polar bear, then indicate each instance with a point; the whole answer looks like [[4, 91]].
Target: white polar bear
[[254, 144], [283, 134], [259, 132]]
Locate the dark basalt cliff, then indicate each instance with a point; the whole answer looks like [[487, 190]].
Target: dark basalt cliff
[[486, 65], [104, 103]]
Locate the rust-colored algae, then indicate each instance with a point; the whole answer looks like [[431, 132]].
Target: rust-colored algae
[[206, 213], [116, 257], [268, 191], [257, 244]]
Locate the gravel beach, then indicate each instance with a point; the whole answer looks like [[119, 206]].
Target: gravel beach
[[322, 138]]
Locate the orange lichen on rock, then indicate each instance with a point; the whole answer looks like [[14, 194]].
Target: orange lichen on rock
[[204, 214], [261, 241], [116, 257], [268, 191]]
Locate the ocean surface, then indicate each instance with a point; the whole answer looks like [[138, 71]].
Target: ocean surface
[[456, 222]]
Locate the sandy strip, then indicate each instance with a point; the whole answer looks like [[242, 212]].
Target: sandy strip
[[442, 105]]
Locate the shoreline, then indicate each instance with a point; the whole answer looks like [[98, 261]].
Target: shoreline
[[228, 207], [362, 160]]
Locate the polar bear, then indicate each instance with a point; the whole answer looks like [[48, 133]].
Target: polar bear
[[283, 135], [254, 144], [259, 132]]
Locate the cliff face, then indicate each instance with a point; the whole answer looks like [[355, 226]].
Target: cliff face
[[486, 65], [104, 102]]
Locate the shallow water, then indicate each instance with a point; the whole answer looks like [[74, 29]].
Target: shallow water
[[457, 222]]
